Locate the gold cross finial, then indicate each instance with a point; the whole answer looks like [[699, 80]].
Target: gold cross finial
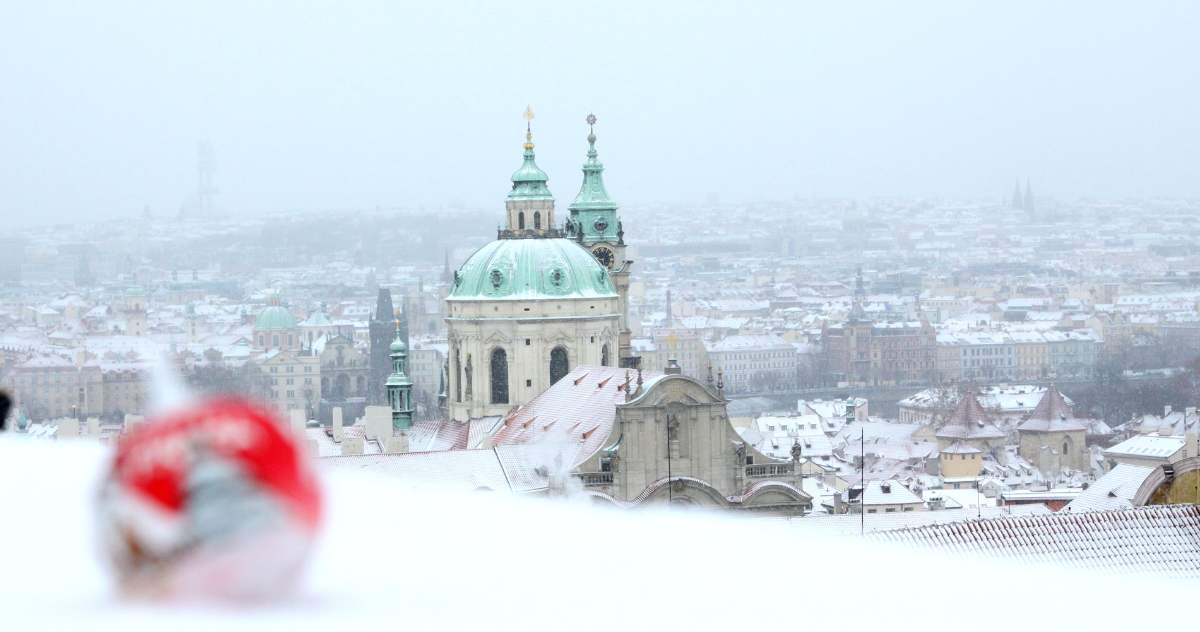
[[528, 128]]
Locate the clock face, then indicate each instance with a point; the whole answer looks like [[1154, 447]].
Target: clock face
[[604, 256]]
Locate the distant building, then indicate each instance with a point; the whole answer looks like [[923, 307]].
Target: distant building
[[1008, 404], [1052, 438], [755, 363], [970, 431], [685, 346], [863, 352], [1149, 450], [884, 497]]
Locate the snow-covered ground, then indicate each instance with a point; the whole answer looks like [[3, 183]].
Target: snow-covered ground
[[422, 561]]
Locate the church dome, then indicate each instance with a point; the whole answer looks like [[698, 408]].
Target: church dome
[[531, 269], [274, 318]]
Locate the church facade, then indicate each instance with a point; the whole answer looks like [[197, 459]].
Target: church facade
[[541, 299]]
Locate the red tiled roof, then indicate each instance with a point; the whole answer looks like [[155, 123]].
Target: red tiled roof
[[579, 409], [438, 435]]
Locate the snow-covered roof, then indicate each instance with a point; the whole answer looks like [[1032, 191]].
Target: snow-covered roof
[[461, 470], [853, 524], [750, 343], [1053, 414], [1157, 539], [1147, 447], [1114, 490], [889, 493]]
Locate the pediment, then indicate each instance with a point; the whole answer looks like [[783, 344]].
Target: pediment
[[497, 338], [675, 388]]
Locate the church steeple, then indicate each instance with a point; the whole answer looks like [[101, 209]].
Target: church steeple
[[530, 205], [858, 312], [593, 213], [399, 386]]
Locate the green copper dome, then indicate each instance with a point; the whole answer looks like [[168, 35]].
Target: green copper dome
[[398, 346], [531, 269], [274, 318]]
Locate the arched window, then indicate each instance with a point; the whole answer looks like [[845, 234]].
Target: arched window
[[558, 364], [1066, 448], [499, 377], [521, 220], [604, 355], [537, 220]]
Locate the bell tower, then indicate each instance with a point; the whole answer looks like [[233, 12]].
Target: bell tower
[[594, 223]]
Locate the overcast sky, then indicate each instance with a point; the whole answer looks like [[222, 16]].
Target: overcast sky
[[356, 104]]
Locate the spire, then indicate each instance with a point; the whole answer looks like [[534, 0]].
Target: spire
[[399, 386], [1028, 202], [1053, 413], [970, 420], [529, 182], [383, 304], [1017, 201], [592, 195], [857, 312], [528, 115], [1052, 406]]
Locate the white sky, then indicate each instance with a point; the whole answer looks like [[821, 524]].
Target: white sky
[[334, 105]]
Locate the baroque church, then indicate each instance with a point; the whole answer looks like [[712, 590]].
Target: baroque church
[[542, 298], [543, 392]]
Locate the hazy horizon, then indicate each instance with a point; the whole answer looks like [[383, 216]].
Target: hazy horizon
[[332, 107]]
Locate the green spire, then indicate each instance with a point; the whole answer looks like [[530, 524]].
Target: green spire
[[529, 182], [593, 213], [592, 195], [399, 387]]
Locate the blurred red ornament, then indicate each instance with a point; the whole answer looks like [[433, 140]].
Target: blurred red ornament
[[215, 500]]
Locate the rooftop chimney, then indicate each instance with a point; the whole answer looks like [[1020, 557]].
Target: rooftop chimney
[[672, 367]]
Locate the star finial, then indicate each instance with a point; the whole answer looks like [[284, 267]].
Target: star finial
[[591, 119]]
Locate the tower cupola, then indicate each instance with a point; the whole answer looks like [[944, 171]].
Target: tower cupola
[[530, 206]]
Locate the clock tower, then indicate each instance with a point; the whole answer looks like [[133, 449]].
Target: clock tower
[[595, 225]]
